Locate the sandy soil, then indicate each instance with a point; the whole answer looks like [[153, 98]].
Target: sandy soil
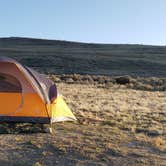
[[116, 126]]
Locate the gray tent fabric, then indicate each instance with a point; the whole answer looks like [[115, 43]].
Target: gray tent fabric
[[47, 86]]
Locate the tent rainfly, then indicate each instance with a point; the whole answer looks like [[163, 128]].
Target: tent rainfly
[[27, 96]]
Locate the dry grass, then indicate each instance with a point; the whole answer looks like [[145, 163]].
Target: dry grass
[[116, 126]]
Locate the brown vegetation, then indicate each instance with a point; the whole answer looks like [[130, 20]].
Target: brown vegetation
[[117, 125], [138, 83]]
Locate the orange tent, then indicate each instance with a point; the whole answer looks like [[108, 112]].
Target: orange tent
[[27, 96]]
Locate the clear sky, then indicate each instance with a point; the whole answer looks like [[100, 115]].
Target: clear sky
[[99, 21]]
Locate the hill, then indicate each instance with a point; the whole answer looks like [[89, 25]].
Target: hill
[[63, 57]]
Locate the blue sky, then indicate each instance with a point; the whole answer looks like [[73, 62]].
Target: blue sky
[[99, 21]]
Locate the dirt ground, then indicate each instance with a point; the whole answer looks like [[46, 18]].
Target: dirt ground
[[116, 126]]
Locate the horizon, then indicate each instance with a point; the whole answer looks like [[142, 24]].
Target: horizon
[[101, 22], [25, 37]]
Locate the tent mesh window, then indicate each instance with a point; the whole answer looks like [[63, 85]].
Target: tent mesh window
[[8, 83]]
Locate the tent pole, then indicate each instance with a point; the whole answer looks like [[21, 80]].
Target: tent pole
[[51, 128]]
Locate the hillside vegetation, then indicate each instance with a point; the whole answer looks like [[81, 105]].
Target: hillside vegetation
[[62, 57]]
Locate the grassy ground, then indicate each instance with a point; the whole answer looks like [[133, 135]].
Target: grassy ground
[[116, 125]]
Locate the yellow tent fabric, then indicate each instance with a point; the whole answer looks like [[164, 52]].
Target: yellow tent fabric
[[60, 111]]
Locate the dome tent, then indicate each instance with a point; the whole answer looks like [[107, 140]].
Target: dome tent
[[27, 96]]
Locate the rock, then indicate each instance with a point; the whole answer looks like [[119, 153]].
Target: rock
[[123, 80], [154, 132], [69, 81]]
